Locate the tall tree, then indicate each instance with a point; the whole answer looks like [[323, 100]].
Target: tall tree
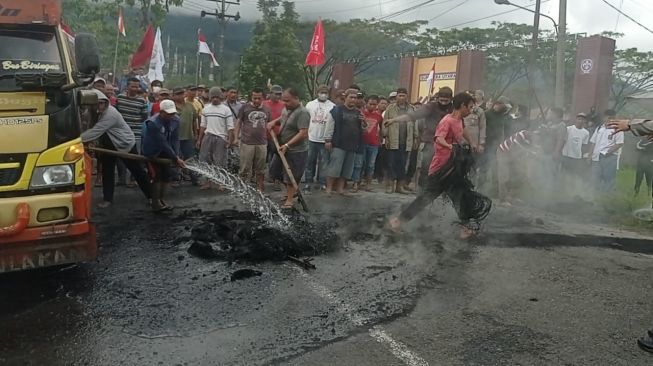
[[273, 52], [632, 73], [358, 41], [152, 11]]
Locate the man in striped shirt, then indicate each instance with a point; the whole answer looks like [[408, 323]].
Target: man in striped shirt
[[133, 107], [510, 167]]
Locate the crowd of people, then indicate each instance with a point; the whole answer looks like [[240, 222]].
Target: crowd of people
[[344, 141]]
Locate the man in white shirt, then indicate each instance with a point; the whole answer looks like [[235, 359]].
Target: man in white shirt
[[216, 132], [574, 149], [605, 146], [318, 156]]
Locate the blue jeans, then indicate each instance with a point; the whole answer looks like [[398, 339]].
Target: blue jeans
[[604, 173], [318, 157], [365, 163]]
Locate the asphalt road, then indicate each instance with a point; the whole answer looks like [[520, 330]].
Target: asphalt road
[[534, 289]]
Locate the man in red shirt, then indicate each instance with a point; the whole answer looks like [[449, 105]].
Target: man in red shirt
[[366, 160], [161, 95], [275, 106], [448, 172]]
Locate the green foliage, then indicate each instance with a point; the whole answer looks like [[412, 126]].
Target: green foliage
[[101, 19], [633, 72], [151, 11], [357, 41], [273, 52]]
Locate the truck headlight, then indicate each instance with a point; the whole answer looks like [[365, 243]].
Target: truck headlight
[[52, 176]]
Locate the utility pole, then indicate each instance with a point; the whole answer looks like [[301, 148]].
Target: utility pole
[[560, 55], [222, 17]]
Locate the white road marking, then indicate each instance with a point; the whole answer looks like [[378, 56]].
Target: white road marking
[[397, 348]]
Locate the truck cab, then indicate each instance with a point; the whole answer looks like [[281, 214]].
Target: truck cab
[[45, 190]]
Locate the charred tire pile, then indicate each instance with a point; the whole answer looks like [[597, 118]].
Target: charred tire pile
[[240, 236]]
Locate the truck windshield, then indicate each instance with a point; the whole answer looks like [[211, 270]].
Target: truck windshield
[[27, 52]]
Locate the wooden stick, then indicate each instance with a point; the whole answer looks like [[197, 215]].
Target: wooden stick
[[125, 155], [300, 198]]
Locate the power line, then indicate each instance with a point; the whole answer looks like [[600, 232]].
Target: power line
[[411, 8], [447, 11], [348, 9], [627, 16], [489, 16]]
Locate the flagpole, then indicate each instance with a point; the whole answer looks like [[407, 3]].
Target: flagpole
[[197, 70], [314, 80], [115, 55]]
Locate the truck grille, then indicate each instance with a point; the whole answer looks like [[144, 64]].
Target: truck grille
[[10, 176]]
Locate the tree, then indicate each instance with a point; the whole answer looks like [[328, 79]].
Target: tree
[[358, 41], [273, 52], [632, 73], [158, 9]]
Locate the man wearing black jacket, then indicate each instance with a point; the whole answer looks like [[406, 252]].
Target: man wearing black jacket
[[159, 141]]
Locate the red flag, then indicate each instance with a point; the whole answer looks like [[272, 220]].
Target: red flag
[[121, 22], [144, 52], [316, 54]]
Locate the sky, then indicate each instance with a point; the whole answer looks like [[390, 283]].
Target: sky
[[590, 16]]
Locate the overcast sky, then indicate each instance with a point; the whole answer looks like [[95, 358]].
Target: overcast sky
[[590, 16]]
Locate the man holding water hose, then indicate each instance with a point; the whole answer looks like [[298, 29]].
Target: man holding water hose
[[639, 127]]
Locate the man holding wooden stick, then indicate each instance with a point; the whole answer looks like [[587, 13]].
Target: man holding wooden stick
[[293, 143], [113, 133]]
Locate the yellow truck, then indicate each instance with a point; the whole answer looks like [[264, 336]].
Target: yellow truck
[[45, 190]]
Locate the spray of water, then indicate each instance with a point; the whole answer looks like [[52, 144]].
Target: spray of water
[[257, 203]]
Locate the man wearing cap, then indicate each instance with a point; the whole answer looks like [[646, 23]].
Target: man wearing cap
[[113, 133], [216, 132], [160, 140], [191, 97], [250, 135], [573, 151], [392, 97], [203, 95], [318, 157], [187, 129]]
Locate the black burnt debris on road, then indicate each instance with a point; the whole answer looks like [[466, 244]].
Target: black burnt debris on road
[[232, 235]]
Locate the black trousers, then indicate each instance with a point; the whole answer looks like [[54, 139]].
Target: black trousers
[[435, 186], [644, 171], [109, 172], [412, 165]]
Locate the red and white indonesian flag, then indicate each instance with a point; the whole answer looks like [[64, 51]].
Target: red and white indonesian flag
[[121, 22], [431, 79], [204, 47]]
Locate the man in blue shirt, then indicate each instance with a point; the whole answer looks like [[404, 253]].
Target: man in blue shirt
[[160, 137]]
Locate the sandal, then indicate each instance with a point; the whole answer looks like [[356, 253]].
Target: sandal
[[287, 207]]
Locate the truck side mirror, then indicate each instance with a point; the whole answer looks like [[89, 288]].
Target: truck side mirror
[[87, 54], [87, 97]]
